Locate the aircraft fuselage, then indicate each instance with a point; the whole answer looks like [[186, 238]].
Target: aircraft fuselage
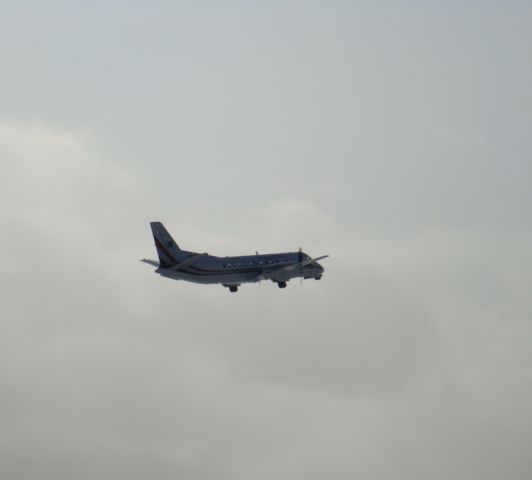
[[180, 264]]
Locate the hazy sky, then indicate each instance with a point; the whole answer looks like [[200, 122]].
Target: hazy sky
[[394, 136]]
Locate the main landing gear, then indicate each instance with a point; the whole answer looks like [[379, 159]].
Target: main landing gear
[[233, 288], [281, 284]]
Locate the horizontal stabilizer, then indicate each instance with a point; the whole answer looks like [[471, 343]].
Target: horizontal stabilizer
[[153, 263]]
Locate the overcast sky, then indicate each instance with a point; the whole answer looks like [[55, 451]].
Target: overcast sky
[[394, 136]]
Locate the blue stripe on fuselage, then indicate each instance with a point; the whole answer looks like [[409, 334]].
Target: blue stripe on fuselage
[[203, 270]]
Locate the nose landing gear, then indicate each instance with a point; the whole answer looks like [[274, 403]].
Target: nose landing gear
[[232, 288], [281, 284]]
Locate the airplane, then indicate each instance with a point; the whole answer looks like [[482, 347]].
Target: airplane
[[231, 272]]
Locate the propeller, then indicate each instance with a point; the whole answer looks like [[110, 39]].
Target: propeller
[[300, 260]]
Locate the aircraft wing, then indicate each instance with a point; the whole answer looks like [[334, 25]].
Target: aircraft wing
[[188, 261], [302, 264], [288, 268]]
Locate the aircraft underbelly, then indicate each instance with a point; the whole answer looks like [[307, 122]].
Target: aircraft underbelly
[[210, 279]]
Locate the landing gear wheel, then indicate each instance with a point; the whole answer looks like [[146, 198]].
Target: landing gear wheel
[[233, 288], [281, 284]]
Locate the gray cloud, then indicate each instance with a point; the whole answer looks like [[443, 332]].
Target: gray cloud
[[412, 350]]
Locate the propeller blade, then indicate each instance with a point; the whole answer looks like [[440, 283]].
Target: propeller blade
[[300, 266]]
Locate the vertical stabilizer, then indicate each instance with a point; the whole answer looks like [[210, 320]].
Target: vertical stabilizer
[[168, 251]]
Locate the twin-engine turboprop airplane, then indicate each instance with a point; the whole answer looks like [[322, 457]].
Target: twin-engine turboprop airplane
[[229, 271]]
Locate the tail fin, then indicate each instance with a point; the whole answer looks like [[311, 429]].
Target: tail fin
[[168, 251]]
